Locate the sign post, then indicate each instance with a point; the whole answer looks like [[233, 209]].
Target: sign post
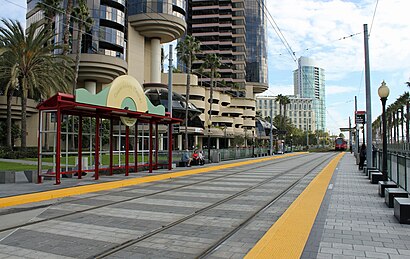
[[360, 117]]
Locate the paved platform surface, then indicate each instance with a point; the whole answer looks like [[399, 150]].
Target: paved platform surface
[[354, 221]]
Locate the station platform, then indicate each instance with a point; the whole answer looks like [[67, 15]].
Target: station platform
[[338, 214]]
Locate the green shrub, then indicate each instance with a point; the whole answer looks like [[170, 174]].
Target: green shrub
[[29, 152]]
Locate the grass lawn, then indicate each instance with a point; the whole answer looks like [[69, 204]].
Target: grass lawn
[[7, 166], [105, 159]]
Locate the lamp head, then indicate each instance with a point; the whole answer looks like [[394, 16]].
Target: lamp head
[[383, 90]]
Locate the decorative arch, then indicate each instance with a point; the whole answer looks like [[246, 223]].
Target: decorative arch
[[124, 88]]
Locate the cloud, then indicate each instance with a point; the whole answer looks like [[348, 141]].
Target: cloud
[[333, 89], [316, 29], [279, 89]]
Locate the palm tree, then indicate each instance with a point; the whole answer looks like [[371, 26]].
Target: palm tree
[[50, 9], [407, 100], [279, 99], [67, 20], [8, 88], [285, 102], [212, 62], [34, 69], [81, 15], [186, 50]]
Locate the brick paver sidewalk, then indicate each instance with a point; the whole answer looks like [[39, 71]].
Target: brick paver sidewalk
[[354, 221]]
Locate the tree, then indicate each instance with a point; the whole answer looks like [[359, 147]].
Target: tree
[[212, 62], [186, 50], [34, 69], [67, 20], [50, 9], [8, 88], [285, 102], [279, 100], [81, 16]]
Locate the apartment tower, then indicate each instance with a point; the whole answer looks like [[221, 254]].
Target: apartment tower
[[220, 26], [309, 82]]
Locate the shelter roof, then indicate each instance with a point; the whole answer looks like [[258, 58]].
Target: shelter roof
[[67, 104]]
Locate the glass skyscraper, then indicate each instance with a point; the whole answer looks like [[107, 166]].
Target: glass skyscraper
[[309, 82], [256, 53]]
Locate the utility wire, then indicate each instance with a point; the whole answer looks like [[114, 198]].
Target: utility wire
[[374, 15]]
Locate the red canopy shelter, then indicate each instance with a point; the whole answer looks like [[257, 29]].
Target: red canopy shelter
[[65, 104]]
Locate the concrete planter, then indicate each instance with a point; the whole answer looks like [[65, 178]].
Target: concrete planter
[[7, 177]]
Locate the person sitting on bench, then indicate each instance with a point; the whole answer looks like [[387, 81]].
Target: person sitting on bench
[[186, 158], [198, 157], [195, 157]]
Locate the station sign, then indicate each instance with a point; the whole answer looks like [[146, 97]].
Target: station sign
[[360, 117]]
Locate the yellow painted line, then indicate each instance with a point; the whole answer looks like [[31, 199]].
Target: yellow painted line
[[71, 191], [288, 236]]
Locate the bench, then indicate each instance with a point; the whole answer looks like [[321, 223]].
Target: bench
[[402, 210], [367, 169], [375, 177], [385, 184], [391, 193], [182, 164], [370, 171]]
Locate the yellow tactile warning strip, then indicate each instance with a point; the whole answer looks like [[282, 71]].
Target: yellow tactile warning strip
[[54, 194], [288, 236]]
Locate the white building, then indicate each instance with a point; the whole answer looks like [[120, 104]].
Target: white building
[[299, 110]]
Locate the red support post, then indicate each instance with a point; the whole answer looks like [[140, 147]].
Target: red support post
[[170, 146], [156, 146], [58, 146], [136, 148], [150, 147], [111, 145], [127, 150], [39, 144], [97, 147], [80, 147]]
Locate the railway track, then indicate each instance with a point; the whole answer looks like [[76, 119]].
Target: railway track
[[76, 212], [212, 247], [283, 176]]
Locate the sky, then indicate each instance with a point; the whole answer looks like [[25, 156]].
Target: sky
[[321, 30], [331, 33]]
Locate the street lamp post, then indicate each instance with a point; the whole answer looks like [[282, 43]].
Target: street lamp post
[[383, 92], [246, 144], [225, 142], [209, 140]]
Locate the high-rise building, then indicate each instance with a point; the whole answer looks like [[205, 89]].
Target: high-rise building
[[256, 52], [309, 82], [126, 38], [220, 26]]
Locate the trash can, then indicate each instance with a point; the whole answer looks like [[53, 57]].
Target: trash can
[[216, 157], [84, 165]]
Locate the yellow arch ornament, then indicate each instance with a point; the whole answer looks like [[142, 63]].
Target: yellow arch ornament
[[127, 87]]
